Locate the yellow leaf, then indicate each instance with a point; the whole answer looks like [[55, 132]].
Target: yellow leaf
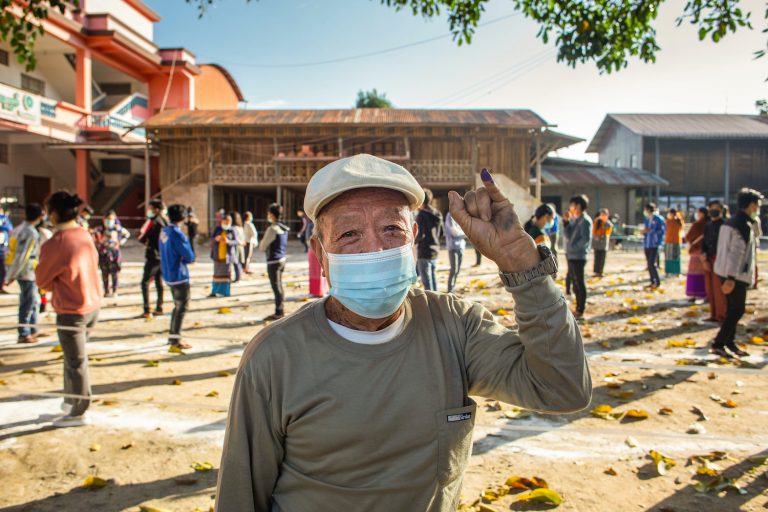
[[3, 382], [516, 413], [56, 348], [520, 482], [149, 508], [665, 411], [691, 314], [153, 363], [611, 471], [706, 471], [489, 496], [109, 402], [636, 413], [601, 411], [730, 404], [663, 463], [502, 312], [176, 382], [541, 495], [95, 447], [646, 329], [202, 466], [681, 343], [174, 349], [757, 340], [613, 385], [28, 370], [213, 393], [634, 321], [624, 395], [94, 482], [224, 311], [223, 373]]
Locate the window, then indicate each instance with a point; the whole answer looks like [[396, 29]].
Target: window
[[633, 161], [116, 165], [617, 162], [3, 153], [116, 89], [3, 57], [32, 84]]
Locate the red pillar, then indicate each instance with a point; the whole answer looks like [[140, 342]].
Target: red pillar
[[84, 99]]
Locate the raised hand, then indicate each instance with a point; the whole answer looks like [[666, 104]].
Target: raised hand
[[490, 222]]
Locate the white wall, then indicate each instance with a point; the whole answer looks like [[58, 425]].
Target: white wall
[[123, 12], [11, 74], [37, 160]]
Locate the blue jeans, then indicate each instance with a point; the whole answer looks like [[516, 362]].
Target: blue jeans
[[29, 304], [455, 257], [426, 270]]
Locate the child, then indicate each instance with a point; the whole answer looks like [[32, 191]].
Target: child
[[110, 237]]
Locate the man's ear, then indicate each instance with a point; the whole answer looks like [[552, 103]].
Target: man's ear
[[319, 253]]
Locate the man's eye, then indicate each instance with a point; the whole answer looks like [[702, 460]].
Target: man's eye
[[347, 234], [392, 228]]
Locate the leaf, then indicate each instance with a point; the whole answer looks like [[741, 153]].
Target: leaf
[[176, 382], [489, 496], [225, 311], [94, 482], [150, 508], [542, 495], [174, 349], [109, 402], [624, 395], [516, 414], [663, 463], [502, 312], [757, 340], [223, 373], [666, 411], [681, 343], [634, 321], [212, 394], [696, 428], [129, 444], [153, 363], [729, 404], [520, 482], [611, 472], [602, 411], [28, 370], [707, 470], [697, 411], [637, 414], [95, 447], [202, 466], [56, 348]]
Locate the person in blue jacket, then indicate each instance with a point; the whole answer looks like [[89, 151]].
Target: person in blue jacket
[[175, 254], [653, 238], [5, 234]]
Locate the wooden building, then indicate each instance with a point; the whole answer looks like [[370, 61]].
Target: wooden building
[[245, 159], [701, 156]]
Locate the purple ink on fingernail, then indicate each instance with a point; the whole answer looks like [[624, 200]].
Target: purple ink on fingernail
[[486, 176]]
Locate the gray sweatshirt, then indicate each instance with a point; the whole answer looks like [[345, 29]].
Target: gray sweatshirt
[[578, 234], [319, 423], [23, 254]]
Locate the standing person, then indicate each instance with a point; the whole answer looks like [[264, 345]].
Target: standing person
[[193, 225], [237, 228], [302, 234], [251, 240], [110, 237], [175, 254], [321, 399], [578, 234], [536, 227], [430, 222], [84, 219], [653, 237], [274, 244], [715, 295], [553, 232], [673, 237], [735, 264], [695, 286], [69, 267], [150, 237], [456, 242], [601, 240], [22, 260], [5, 233], [224, 255], [45, 235]]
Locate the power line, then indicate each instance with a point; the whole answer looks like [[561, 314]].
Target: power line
[[360, 55]]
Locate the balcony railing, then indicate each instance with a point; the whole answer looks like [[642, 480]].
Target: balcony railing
[[266, 173], [108, 121]]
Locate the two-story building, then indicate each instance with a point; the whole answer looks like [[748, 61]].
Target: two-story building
[[245, 159], [701, 156], [73, 121]]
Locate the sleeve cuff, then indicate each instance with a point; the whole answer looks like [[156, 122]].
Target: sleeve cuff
[[535, 295]]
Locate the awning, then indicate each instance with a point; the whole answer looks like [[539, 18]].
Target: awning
[[559, 171]]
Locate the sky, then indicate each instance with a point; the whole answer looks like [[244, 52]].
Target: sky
[[276, 49]]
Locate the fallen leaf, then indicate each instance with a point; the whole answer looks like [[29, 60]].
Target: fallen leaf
[[666, 411], [520, 482], [202, 466], [663, 463], [56, 348], [28, 370], [174, 349], [624, 395], [637, 414], [129, 444], [541, 495], [150, 508], [611, 471], [516, 414], [95, 447], [502, 312], [711, 375], [212, 394], [223, 373], [176, 382], [224, 311], [94, 482], [757, 340], [681, 343], [719, 483], [729, 404], [153, 363], [697, 411], [109, 402], [602, 411], [634, 321]]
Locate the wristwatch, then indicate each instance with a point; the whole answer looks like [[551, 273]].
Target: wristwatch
[[547, 267]]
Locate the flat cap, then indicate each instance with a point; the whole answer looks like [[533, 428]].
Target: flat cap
[[359, 171]]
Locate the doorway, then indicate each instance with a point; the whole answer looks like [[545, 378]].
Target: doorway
[[36, 189]]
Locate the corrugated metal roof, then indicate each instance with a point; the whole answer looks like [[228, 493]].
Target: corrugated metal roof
[[683, 126], [560, 171], [361, 116]]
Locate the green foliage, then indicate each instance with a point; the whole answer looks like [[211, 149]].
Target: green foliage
[[762, 107], [22, 32], [372, 99]]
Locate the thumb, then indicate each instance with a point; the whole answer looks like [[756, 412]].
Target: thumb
[[459, 210]]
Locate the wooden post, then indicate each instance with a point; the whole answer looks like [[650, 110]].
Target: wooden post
[[473, 161], [341, 147], [147, 175], [727, 192], [211, 210], [658, 169], [538, 168], [407, 147]]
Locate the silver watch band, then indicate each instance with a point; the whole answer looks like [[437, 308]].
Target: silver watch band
[[546, 267]]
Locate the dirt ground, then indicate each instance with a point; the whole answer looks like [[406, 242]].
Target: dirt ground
[[159, 414]]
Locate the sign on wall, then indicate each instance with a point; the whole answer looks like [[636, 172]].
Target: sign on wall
[[19, 106]]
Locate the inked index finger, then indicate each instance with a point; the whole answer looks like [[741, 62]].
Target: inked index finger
[[496, 195]]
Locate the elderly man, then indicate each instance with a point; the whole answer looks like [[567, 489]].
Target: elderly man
[[361, 401]]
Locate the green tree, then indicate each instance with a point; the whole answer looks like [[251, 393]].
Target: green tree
[[762, 107], [372, 99], [606, 32]]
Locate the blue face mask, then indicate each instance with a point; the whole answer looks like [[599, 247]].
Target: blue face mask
[[372, 284], [549, 224]]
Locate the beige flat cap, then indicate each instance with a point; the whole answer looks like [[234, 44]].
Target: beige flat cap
[[359, 171]]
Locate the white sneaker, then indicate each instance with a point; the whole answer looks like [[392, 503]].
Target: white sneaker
[[72, 421]]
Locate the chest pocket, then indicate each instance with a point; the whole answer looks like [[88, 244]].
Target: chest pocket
[[454, 441]]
